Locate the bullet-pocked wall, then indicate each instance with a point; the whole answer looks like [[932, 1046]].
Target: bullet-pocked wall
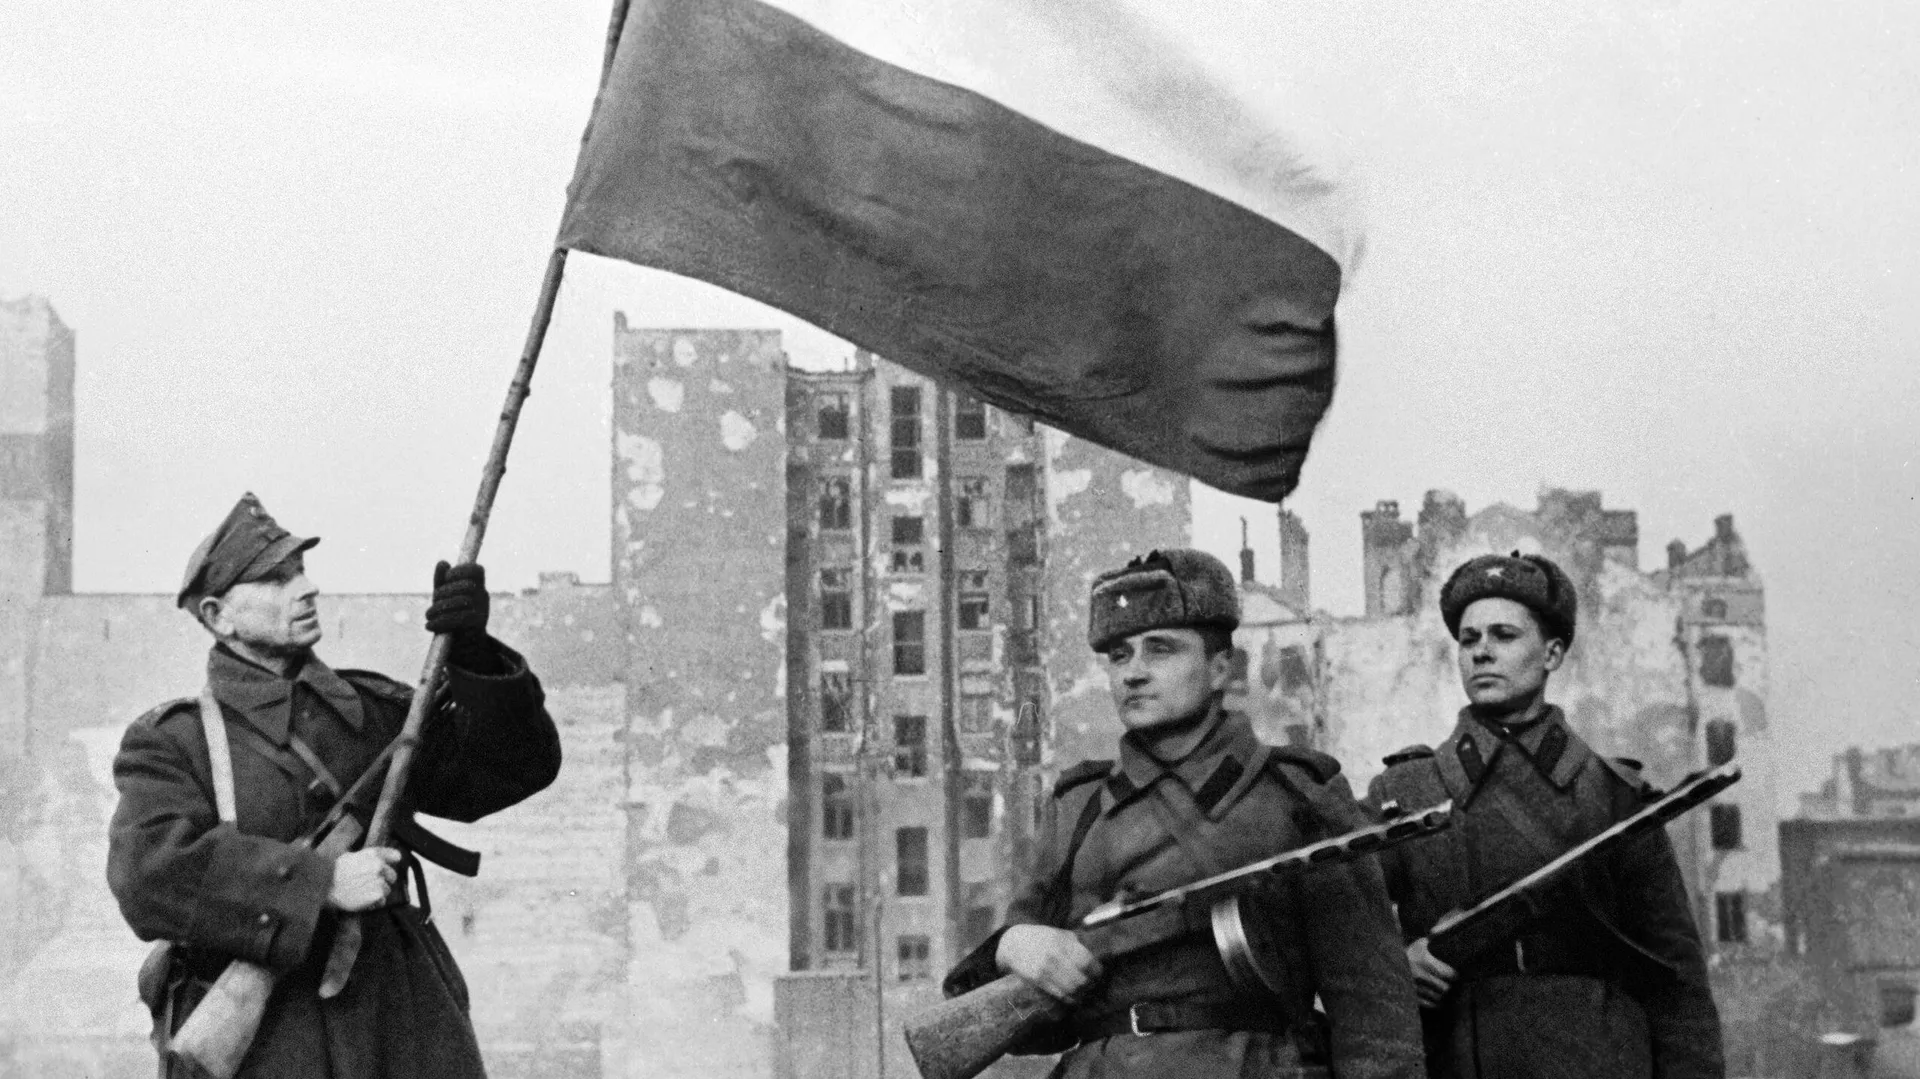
[[1102, 510], [699, 549]]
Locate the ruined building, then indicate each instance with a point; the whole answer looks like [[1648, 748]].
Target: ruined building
[[938, 558], [808, 720], [1851, 883], [642, 916]]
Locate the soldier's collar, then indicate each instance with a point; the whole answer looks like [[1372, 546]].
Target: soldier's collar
[[1216, 770], [265, 698], [1468, 755]]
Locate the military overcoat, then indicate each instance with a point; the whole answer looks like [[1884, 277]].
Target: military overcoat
[[1610, 981], [1139, 826], [249, 891]]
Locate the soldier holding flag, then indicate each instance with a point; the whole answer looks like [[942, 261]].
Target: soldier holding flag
[[204, 850], [1608, 981]]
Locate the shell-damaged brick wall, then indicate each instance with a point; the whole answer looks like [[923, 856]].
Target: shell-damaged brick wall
[[1394, 681], [699, 561], [1091, 490], [540, 933]]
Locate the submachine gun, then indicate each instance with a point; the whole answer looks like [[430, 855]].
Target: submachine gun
[[959, 1038], [1461, 936]]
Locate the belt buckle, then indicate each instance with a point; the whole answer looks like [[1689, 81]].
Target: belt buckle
[[1133, 1020]]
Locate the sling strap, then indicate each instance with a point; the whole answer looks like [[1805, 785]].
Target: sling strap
[[219, 755]]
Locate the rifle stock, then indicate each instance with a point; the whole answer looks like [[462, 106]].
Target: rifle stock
[[216, 1037], [959, 1038]]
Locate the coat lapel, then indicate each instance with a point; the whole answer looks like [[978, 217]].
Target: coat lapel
[[258, 696], [1466, 759], [336, 691]]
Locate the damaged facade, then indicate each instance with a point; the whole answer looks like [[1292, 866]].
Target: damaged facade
[[642, 916], [807, 722], [938, 560], [1851, 884]]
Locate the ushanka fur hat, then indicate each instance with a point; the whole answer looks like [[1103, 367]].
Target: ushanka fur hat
[[1529, 580], [1165, 589]]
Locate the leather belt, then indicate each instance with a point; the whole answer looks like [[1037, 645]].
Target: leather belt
[[1536, 955], [1162, 1016]]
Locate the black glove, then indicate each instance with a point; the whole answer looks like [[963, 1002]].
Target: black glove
[[459, 609]]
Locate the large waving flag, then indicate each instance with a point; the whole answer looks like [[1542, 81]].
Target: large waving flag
[[1061, 204]]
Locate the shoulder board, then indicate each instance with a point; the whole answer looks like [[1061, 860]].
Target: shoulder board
[[1080, 773], [153, 717], [377, 684], [1628, 771], [1317, 764], [1411, 753]]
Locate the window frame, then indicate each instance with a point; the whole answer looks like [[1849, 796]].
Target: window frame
[[837, 808], [910, 754], [967, 409], [917, 871], [836, 604], [823, 409], [835, 514], [905, 433], [905, 645], [832, 915]]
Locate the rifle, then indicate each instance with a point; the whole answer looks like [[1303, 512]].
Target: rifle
[[1463, 935], [959, 1038], [216, 1036]]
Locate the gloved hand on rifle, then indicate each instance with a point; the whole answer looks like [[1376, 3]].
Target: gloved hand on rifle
[[459, 609]]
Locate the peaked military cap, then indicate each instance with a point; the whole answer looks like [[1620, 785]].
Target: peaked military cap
[[1180, 587], [1530, 580], [247, 546]]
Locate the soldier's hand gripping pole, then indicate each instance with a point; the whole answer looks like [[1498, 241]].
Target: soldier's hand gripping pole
[[346, 940], [1495, 921], [959, 1038]]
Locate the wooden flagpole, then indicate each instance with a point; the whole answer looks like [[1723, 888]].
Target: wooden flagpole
[[215, 1038], [346, 945]]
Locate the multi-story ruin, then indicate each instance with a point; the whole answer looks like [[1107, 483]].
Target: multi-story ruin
[[840, 657], [938, 557]]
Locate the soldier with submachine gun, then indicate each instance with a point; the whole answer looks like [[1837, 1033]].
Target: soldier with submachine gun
[[1549, 928], [1199, 951]]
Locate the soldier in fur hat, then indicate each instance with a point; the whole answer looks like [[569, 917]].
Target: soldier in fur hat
[[1192, 793], [299, 733], [1609, 982]]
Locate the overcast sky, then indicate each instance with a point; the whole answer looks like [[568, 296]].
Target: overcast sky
[[1667, 249]]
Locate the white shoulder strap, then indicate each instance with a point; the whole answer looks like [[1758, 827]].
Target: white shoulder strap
[[219, 755]]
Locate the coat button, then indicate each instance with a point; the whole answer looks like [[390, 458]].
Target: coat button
[[266, 919]]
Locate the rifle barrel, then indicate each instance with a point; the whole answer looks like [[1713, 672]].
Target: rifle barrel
[[1692, 791], [1427, 821]]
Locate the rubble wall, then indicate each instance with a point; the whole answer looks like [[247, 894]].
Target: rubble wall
[[699, 550], [1089, 489]]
